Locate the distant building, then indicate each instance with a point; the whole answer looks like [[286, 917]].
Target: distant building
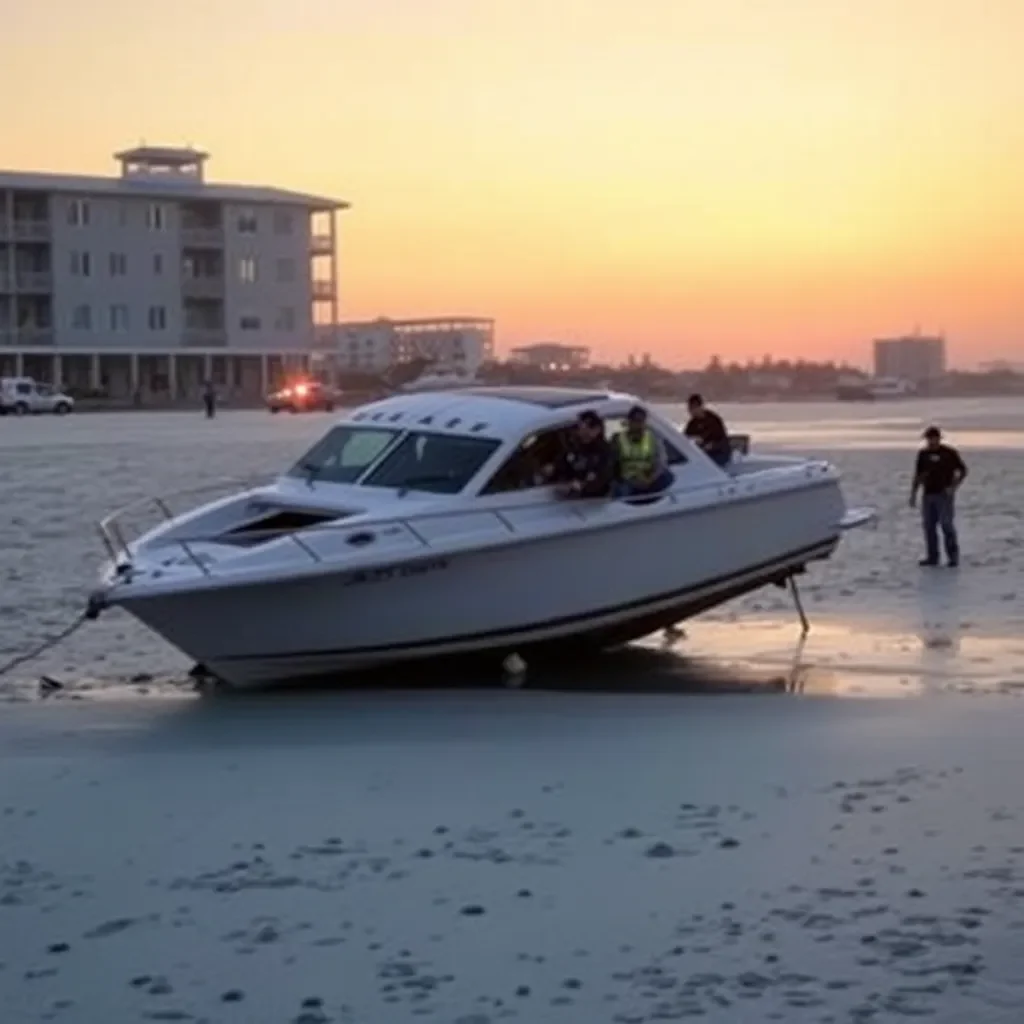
[[1001, 366], [915, 358], [157, 264], [551, 356], [452, 343]]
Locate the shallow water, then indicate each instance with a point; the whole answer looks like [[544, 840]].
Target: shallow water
[[879, 624]]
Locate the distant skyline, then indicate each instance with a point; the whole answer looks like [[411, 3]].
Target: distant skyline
[[679, 177]]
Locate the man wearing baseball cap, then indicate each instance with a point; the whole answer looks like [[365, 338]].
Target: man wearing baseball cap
[[938, 474]]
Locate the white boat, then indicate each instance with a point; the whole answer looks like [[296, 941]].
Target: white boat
[[441, 379], [873, 389], [414, 529]]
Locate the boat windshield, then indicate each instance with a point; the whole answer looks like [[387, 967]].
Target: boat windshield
[[343, 454], [438, 463]]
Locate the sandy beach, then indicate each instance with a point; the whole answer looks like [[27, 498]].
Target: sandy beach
[[663, 834], [534, 856]]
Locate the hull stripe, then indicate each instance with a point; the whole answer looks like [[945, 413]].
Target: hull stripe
[[779, 564]]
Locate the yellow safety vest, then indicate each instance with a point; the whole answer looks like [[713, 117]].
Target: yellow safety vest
[[636, 458]]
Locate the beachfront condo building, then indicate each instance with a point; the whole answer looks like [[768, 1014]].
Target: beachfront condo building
[[207, 279], [552, 356], [454, 343]]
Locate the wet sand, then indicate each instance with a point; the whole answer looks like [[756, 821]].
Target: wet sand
[[663, 833], [870, 606], [512, 856]]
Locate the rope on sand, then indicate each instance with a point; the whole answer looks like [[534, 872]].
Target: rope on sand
[[48, 644]]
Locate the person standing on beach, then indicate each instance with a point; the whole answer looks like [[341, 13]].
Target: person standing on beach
[[209, 399], [938, 473]]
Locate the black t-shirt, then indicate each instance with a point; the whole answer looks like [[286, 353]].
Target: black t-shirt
[[591, 464], [708, 429], [936, 468]]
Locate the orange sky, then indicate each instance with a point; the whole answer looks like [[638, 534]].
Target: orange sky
[[681, 177]]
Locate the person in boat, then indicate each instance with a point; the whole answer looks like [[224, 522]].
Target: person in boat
[[938, 473], [586, 468], [707, 429], [641, 466]]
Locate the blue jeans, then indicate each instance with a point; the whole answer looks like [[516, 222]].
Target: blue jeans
[[720, 454], [937, 513], [628, 489]]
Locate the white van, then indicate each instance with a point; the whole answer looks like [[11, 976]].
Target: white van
[[23, 396]]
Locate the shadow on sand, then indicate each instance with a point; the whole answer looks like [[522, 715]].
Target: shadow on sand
[[637, 669]]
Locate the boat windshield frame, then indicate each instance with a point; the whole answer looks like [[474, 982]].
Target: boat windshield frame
[[315, 464], [480, 450], [319, 464]]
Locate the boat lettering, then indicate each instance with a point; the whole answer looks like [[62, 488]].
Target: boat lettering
[[393, 572]]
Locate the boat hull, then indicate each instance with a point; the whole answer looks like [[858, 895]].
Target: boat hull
[[597, 587]]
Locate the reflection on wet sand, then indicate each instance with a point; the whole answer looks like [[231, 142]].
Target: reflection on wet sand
[[744, 656]]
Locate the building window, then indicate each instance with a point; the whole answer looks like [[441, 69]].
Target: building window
[[81, 264], [285, 270], [81, 318], [118, 264], [156, 217], [247, 223], [284, 222], [249, 323], [157, 318], [286, 318], [158, 263], [78, 213], [247, 270], [119, 318]]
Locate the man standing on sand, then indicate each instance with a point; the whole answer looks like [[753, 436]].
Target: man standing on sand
[[939, 472], [209, 399]]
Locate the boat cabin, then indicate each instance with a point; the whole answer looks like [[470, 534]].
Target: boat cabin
[[477, 442]]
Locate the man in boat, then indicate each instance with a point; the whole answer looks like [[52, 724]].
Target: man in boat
[[585, 470], [640, 461], [939, 472], [707, 429]]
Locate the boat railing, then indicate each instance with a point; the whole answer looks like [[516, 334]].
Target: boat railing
[[120, 552], [112, 527]]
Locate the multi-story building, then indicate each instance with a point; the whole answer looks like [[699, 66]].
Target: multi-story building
[[552, 356], [216, 280], [914, 358], [452, 343]]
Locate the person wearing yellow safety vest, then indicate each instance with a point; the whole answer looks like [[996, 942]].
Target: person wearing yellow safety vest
[[641, 466]]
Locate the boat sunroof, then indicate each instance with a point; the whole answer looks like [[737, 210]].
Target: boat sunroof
[[548, 398]]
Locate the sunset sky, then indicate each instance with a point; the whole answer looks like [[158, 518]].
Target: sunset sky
[[682, 177]]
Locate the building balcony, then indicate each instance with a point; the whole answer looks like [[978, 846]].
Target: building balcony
[[323, 291], [203, 287], [29, 336], [24, 230], [205, 337], [33, 281], [321, 245], [202, 237]]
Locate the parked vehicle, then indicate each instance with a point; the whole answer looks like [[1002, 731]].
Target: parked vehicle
[[24, 396], [303, 396]]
